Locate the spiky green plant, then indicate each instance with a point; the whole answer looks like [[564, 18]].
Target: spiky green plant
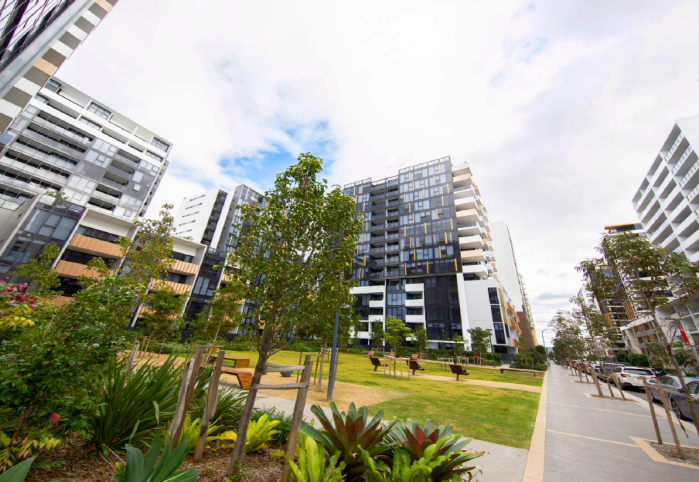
[[152, 469], [229, 406], [350, 430], [440, 441], [132, 402], [190, 432], [313, 466]]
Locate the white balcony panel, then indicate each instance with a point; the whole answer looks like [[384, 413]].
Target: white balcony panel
[[473, 255], [461, 169], [477, 269], [414, 287], [366, 290], [376, 303], [466, 203], [414, 318], [464, 192], [415, 303], [376, 317], [468, 242]]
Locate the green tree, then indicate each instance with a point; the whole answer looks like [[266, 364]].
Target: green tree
[[597, 331], [396, 332], [378, 335], [40, 270], [420, 339], [289, 258], [480, 340], [569, 341], [651, 279], [161, 314], [223, 313], [148, 256]]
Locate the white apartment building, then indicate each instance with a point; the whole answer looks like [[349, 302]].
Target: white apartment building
[[666, 201], [66, 141]]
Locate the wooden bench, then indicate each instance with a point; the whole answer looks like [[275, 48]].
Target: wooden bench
[[377, 363], [413, 365], [244, 378], [390, 355], [458, 370], [533, 372], [370, 354], [237, 362], [415, 356]]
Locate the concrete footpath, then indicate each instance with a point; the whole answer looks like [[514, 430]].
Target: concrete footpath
[[591, 439], [500, 464]]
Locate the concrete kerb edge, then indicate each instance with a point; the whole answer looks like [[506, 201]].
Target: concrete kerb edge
[[534, 469]]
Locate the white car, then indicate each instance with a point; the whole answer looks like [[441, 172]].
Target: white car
[[628, 377]]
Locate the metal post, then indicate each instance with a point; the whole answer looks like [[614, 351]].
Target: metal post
[[333, 353]]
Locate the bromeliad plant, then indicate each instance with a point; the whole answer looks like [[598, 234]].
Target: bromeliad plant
[[259, 433], [433, 446], [351, 430], [313, 464]]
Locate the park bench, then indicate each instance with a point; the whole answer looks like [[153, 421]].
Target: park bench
[[413, 365], [415, 356], [377, 363], [244, 378], [458, 370], [533, 372], [370, 354], [390, 355], [237, 362]]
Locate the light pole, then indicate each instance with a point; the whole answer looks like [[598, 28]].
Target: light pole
[[333, 351], [490, 339], [543, 342]]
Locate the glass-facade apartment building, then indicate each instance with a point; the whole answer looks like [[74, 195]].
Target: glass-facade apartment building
[[425, 256]]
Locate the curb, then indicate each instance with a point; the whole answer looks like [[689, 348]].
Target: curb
[[534, 470]]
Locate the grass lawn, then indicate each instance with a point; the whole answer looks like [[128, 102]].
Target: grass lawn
[[492, 414]]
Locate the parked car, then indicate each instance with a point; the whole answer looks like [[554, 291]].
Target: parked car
[[680, 405], [628, 377], [668, 382], [606, 368]]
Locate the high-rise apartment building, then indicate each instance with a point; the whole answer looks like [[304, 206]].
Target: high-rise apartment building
[[37, 37], [212, 219], [667, 201], [425, 256], [65, 141]]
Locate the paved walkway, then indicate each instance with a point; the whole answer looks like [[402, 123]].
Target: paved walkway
[[500, 464], [590, 439]]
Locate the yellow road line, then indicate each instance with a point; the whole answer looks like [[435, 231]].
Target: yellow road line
[[593, 438], [601, 409]]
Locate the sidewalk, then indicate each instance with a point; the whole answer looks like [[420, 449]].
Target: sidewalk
[[589, 439], [500, 464]]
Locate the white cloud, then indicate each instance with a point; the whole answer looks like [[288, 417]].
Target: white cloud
[[559, 106]]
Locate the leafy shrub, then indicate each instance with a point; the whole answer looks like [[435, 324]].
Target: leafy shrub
[[312, 464], [190, 432], [170, 348], [132, 403], [284, 423], [351, 430], [228, 407], [13, 450], [260, 432], [151, 469]]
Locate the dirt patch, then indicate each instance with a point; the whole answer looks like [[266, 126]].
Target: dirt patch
[[691, 455], [75, 461]]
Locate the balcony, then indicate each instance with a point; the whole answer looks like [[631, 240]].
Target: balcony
[[469, 242], [465, 192], [479, 269], [473, 255], [183, 267], [376, 303], [414, 287], [179, 288], [74, 270], [467, 216], [95, 246], [462, 180], [415, 303], [461, 170], [415, 318], [466, 203]]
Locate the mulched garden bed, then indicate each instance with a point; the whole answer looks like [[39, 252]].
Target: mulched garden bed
[[76, 461], [691, 455]]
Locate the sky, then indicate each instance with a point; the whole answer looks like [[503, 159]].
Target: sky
[[559, 106]]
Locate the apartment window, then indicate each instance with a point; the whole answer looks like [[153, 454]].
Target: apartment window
[[89, 123], [496, 314], [182, 257], [160, 144], [499, 334], [98, 234], [493, 296], [99, 111], [53, 86], [51, 225]]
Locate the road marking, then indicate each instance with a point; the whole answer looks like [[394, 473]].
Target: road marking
[[593, 438], [601, 409]]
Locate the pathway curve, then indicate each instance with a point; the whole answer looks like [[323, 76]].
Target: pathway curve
[[591, 439]]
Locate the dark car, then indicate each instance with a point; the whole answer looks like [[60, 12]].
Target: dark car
[[668, 382], [680, 405]]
